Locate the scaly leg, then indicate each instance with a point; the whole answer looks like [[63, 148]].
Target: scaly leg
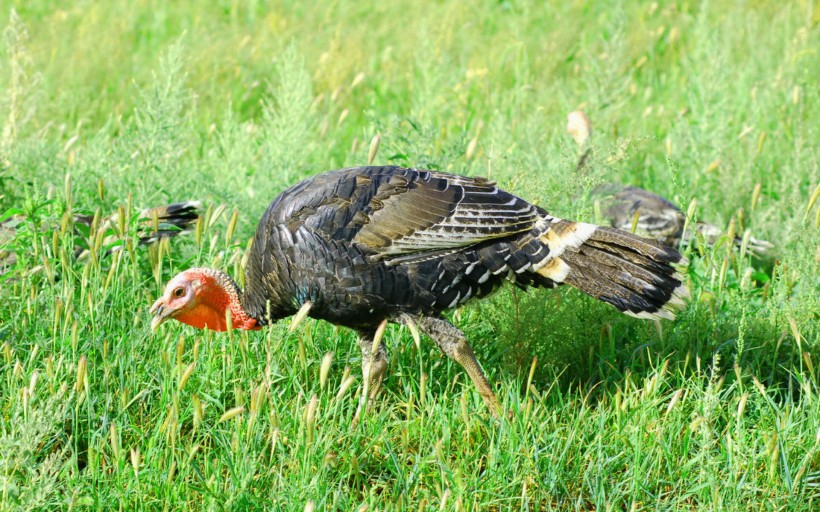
[[374, 366], [452, 342]]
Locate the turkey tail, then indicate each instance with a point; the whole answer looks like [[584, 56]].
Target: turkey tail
[[154, 224], [756, 246], [712, 233], [634, 274], [172, 220]]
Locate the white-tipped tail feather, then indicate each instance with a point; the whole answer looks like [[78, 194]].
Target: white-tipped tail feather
[[555, 269], [562, 235], [667, 311], [636, 275], [565, 234]]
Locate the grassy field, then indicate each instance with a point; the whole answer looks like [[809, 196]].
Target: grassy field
[[141, 103]]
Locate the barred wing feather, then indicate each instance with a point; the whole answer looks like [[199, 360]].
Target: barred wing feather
[[423, 212]]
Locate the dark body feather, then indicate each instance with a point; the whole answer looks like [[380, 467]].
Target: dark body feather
[[372, 243]]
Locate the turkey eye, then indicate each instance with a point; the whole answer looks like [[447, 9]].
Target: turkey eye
[[179, 292]]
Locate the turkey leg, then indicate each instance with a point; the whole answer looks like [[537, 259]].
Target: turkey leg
[[452, 342]]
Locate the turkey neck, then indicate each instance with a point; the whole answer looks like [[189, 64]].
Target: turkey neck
[[265, 298], [221, 294]]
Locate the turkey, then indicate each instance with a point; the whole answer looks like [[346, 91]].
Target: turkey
[[656, 217], [362, 246], [650, 215], [171, 220]]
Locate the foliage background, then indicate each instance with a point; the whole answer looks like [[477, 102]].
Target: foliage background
[[145, 102]]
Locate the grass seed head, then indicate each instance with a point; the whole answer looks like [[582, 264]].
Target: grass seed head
[[809, 365], [135, 461], [731, 233], [114, 439], [79, 385], [32, 383], [186, 375], [198, 411], [67, 191], [675, 399], [299, 316], [741, 406], [358, 79], [813, 199], [198, 230], [213, 215], [324, 369], [374, 148], [171, 472], [746, 280], [180, 348], [471, 148], [761, 139], [231, 413], [310, 416], [377, 338], [344, 386], [55, 243], [796, 333], [723, 269], [232, 226], [713, 166], [342, 117], [258, 396], [423, 388]]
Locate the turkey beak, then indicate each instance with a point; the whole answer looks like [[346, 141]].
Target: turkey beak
[[160, 313]]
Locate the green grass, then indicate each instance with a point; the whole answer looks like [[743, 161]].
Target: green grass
[[230, 102]]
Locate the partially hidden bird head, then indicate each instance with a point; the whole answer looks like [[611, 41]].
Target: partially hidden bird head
[[202, 298]]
